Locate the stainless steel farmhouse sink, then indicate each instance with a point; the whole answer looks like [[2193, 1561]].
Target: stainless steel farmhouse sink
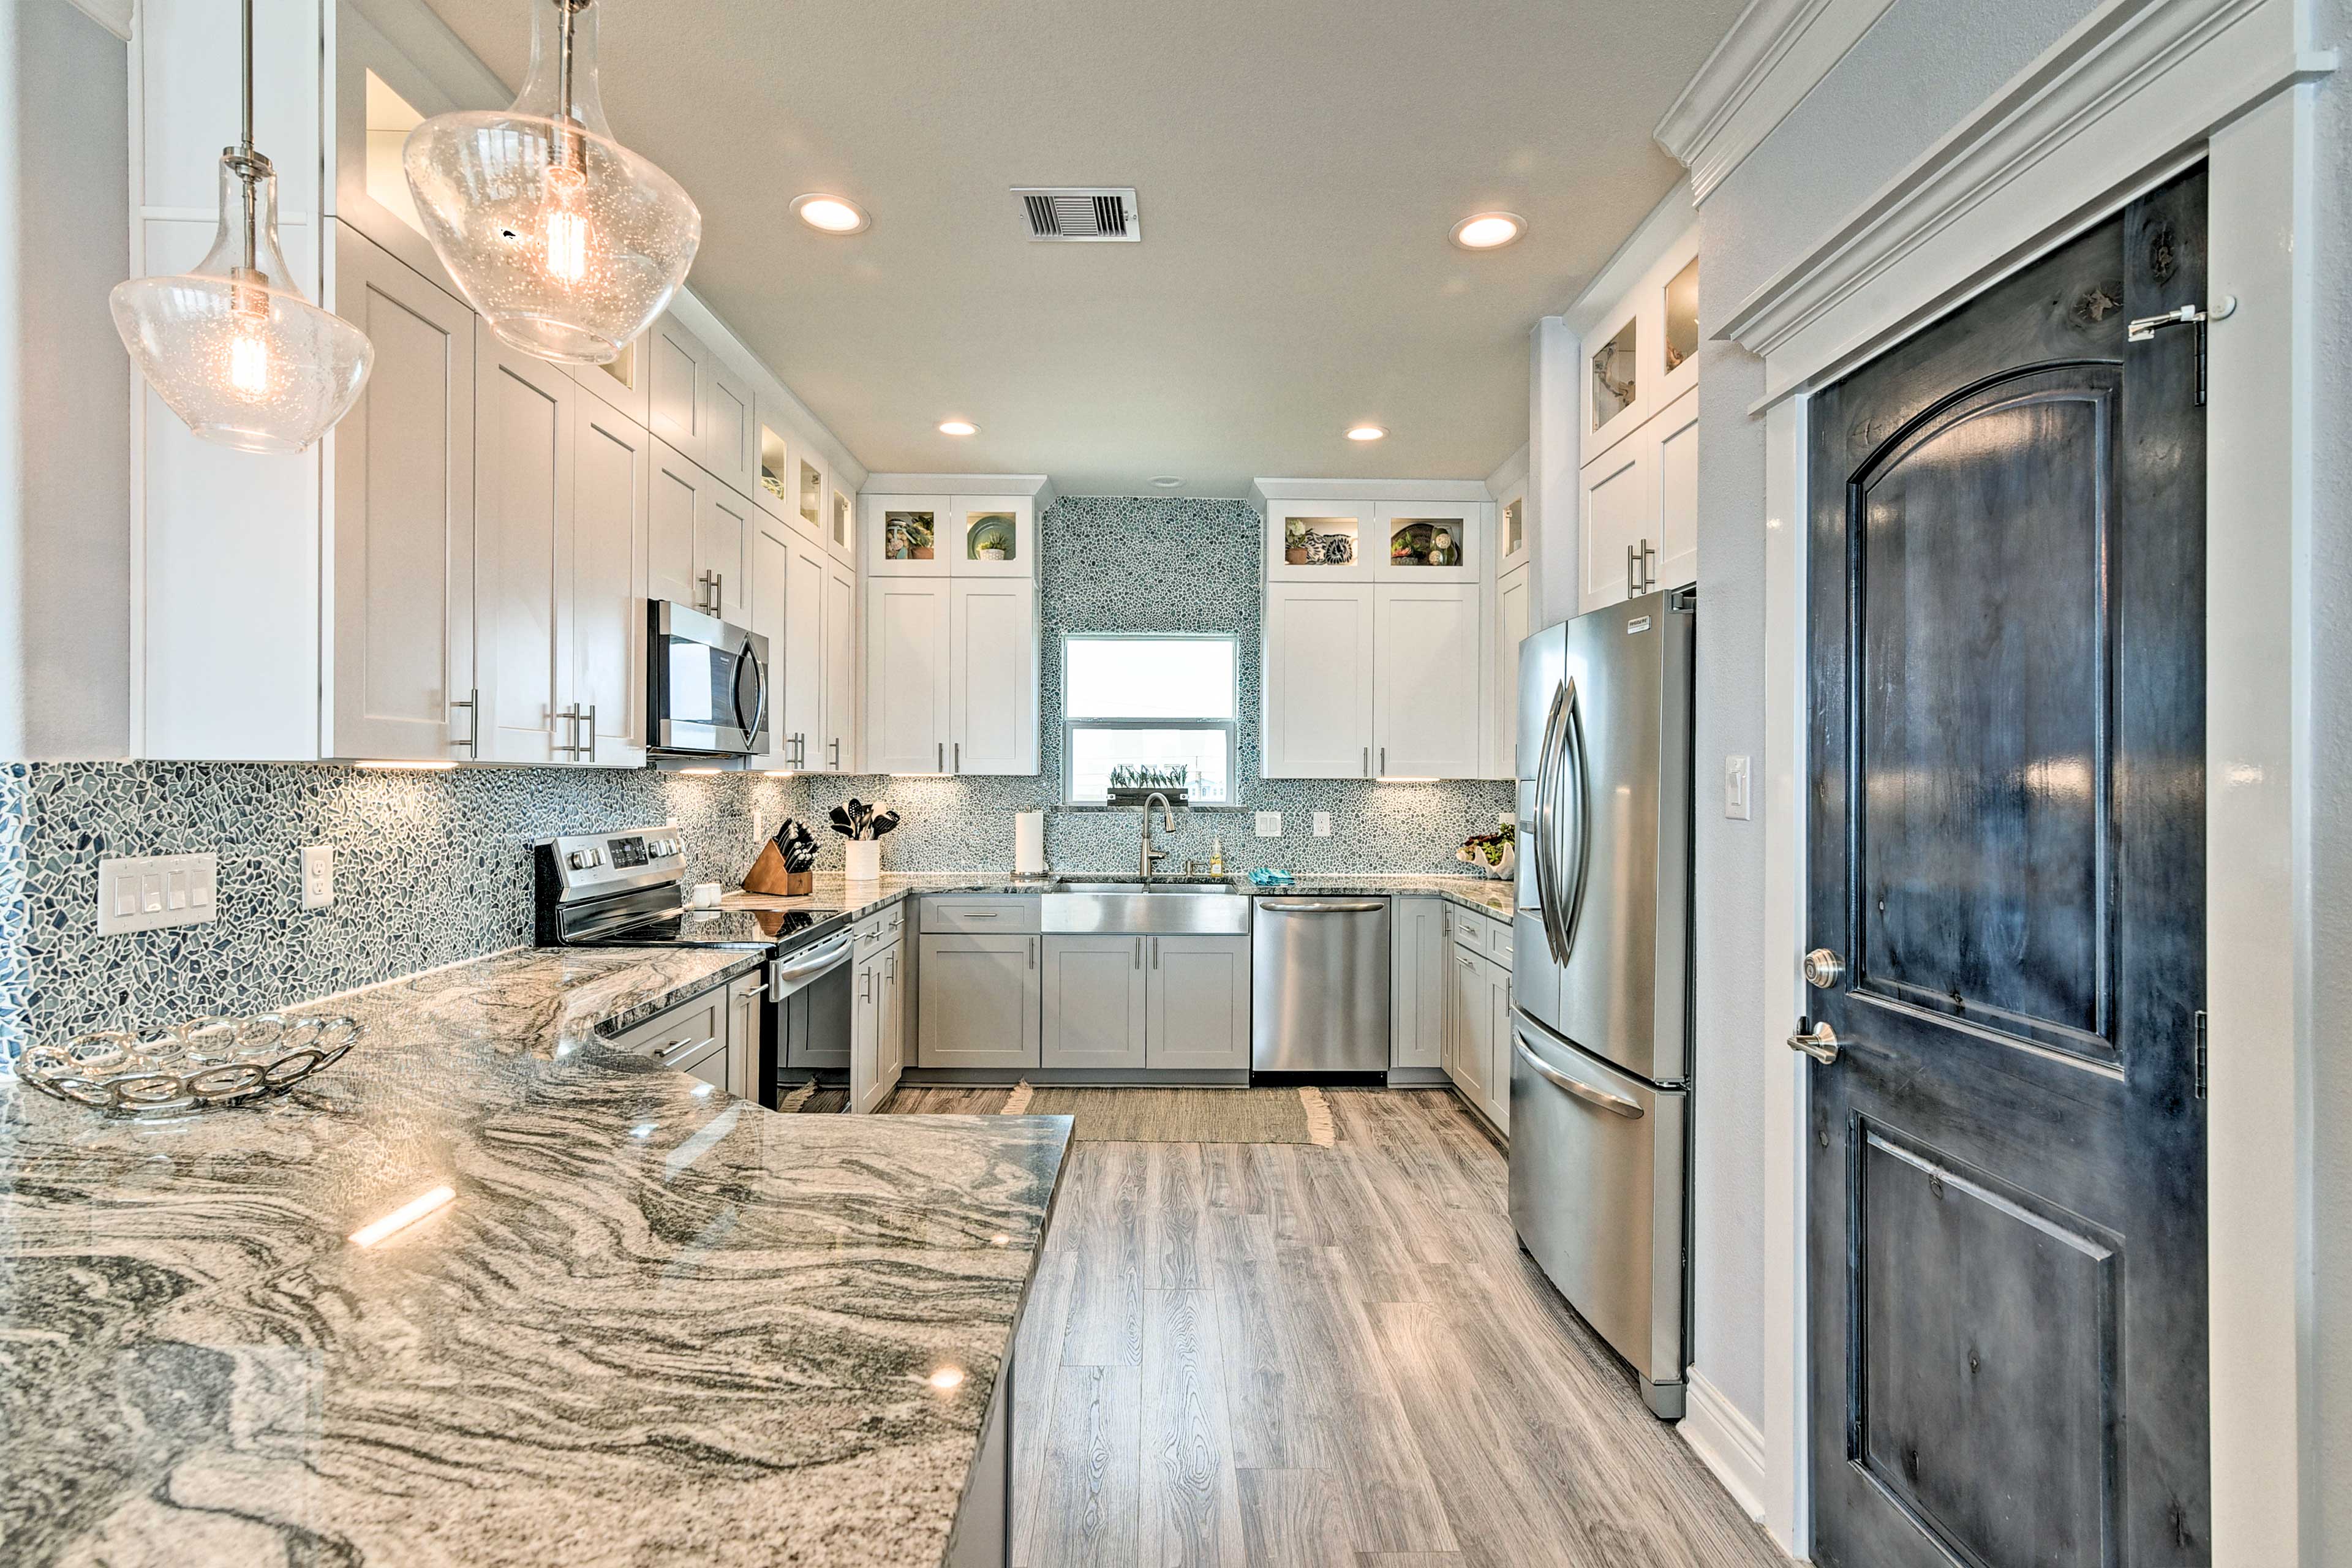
[[1165, 909]]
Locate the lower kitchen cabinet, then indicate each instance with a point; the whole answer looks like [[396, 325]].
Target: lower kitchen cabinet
[[1197, 1001], [1095, 1001], [1417, 973], [746, 1007], [891, 1050], [877, 1029], [1478, 1027], [981, 1000]]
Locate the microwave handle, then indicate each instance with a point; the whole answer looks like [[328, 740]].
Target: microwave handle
[[759, 707]]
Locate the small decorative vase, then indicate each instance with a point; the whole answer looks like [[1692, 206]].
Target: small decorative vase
[[991, 553], [864, 858], [1297, 555], [922, 553]]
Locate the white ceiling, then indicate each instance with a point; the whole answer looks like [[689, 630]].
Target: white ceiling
[[1298, 165]]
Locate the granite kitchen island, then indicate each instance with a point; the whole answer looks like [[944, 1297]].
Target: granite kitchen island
[[655, 1324]]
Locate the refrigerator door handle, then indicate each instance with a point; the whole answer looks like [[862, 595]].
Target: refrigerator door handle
[[1547, 779], [1570, 897], [1615, 1104]]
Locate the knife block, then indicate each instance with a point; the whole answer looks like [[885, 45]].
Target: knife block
[[768, 876]]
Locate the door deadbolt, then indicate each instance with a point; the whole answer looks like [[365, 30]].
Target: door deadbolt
[[1824, 968]]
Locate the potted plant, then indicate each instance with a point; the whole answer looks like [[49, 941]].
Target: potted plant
[[1294, 540], [919, 539]]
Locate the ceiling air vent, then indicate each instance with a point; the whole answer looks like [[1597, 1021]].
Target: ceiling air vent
[[1079, 212]]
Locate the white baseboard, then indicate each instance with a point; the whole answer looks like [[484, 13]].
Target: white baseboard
[[1726, 1441]]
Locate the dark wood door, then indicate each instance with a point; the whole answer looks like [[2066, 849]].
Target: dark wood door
[[2007, 1175]]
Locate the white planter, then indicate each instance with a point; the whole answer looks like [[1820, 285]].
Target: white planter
[[865, 858]]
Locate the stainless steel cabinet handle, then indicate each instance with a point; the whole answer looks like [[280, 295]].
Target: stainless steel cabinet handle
[[1633, 572], [1155, 953], [1615, 1104], [865, 983], [565, 716], [958, 756], [472, 703], [1319, 906], [1819, 1042], [1649, 566], [942, 765], [836, 753], [719, 590], [685, 1049], [1139, 952], [1368, 762], [984, 914], [1384, 759], [1032, 953], [592, 731]]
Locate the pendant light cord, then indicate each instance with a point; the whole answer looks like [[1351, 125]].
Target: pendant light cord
[[245, 45], [246, 172]]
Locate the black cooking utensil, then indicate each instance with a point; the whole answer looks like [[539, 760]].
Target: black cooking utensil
[[883, 824]]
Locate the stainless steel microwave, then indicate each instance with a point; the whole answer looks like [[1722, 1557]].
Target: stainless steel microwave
[[705, 684]]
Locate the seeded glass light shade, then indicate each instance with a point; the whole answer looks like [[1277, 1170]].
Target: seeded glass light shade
[[568, 243], [232, 348]]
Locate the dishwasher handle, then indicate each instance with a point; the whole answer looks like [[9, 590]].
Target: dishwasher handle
[[1322, 906]]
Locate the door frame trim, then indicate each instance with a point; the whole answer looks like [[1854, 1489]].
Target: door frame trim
[[2254, 123]]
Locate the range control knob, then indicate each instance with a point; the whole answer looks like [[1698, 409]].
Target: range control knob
[[579, 859]]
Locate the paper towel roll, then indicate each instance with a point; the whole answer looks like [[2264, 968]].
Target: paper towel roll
[[1028, 843]]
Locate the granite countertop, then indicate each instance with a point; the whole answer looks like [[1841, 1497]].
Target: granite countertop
[[657, 1324], [832, 890]]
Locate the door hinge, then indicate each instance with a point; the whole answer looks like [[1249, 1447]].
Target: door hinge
[[2201, 1053], [2140, 329]]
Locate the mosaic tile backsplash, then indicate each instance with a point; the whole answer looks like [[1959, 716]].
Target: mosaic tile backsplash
[[1153, 564]]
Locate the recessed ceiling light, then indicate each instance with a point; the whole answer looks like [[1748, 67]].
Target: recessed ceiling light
[[958, 428], [1167, 482], [1488, 231], [1366, 433], [832, 214]]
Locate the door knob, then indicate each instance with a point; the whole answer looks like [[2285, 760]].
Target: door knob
[[1824, 968], [1819, 1042]]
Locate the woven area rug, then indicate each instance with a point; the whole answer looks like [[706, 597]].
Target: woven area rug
[[1183, 1115]]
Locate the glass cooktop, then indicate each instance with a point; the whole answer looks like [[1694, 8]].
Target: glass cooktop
[[721, 927]]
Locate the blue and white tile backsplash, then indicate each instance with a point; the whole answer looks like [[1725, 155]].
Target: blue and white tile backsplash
[[432, 868], [1128, 563]]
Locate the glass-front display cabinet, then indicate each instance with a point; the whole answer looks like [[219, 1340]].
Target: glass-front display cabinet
[[902, 535], [995, 537], [1319, 540], [1430, 542]]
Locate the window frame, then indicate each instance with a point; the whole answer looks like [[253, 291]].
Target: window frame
[[1230, 728]]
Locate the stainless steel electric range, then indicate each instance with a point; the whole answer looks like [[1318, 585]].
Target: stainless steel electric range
[[627, 889]]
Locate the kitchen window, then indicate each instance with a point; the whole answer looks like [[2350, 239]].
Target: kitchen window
[[1151, 700]]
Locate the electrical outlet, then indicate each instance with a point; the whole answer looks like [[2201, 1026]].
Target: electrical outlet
[[318, 876], [1734, 788], [156, 892], [1269, 825], [1322, 824]]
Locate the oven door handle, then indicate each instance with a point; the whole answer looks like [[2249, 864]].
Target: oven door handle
[[794, 973]]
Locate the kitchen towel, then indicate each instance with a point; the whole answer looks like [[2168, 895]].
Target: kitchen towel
[[1028, 843]]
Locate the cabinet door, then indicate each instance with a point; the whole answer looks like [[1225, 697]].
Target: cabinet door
[[1322, 541], [906, 535], [1472, 1026], [675, 393], [1620, 374], [865, 1034], [1617, 500], [893, 1021], [681, 1035], [1417, 972], [1199, 1002], [841, 526], [991, 536], [613, 459], [1430, 542], [723, 530], [906, 699], [799, 731], [1318, 681], [992, 666], [744, 996], [527, 425], [401, 532], [670, 510], [1496, 1001], [1511, 531], [1094, 1001], [980, 1001], [622, 382], [730, 435], [771, 557], [1514, 596], [841, 737], [1675, 437], [1425, 691], [711, 1065]]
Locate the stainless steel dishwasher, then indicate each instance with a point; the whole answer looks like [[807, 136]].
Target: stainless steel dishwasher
[[1319, 985]]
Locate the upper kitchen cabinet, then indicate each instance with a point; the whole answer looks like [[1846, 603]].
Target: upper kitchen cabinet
[[526, 437], [678, 367], [841, 527], [613, 462], [941, 534], [790, 594], [993, 536], [808, 494], [1320, 541], [1644, 356], [902, 535], [1431, 542], [1638, 510], [908, 697], [730, 434], [993, 633], [1318, 676], [842, 732], [1511, 531], [1425, 685]]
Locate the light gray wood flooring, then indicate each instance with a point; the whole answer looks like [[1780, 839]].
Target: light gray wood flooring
[[1280, 1356]]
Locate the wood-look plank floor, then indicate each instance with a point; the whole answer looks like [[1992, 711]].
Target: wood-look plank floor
[[1258, 1356]]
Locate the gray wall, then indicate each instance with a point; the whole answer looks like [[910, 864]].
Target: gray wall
[[1924, 66], [1158, 564], [65, 387]]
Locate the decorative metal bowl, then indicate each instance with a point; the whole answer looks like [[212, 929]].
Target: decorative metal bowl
[[203, 1062]]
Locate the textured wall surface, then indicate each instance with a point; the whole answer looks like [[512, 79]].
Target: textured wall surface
[[1151, 564], [430, 867], [1925, 66]]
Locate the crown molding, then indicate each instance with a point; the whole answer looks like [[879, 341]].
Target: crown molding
[[2132, 92], [1775, 54], [114, 15]]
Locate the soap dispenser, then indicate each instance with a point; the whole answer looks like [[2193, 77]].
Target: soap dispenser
[[1217, 856]]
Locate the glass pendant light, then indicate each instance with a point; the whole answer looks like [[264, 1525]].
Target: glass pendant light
[[567, 242], [233, 347]]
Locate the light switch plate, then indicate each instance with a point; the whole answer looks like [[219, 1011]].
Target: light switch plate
[[158, 890], [1269, 825], [1735, 789], [1322, 824], [318, 876]]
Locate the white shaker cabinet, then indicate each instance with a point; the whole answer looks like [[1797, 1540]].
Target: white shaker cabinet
[[992, 662], [723, 531], [1675, 437], [908, 700], [613, 459], [700, 544], [1425, 682], [840, 631], [400, 529], [1616, 504], [730, 432], [1514, 604], [526, 412], [1318, 676], [677, 366]]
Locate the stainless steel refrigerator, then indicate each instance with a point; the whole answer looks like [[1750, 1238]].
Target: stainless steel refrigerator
[[1600, 1058]]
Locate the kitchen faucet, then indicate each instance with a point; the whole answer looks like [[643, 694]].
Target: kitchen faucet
[[1168, 818]]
